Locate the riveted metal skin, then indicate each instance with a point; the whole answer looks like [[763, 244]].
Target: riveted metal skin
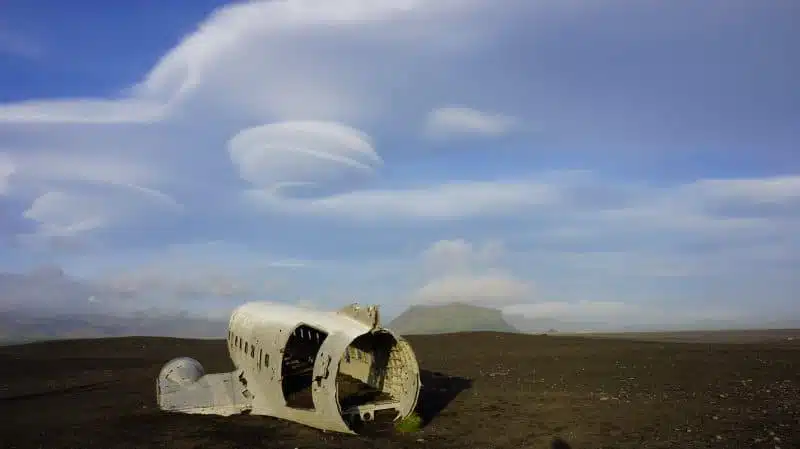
[[259, 335]]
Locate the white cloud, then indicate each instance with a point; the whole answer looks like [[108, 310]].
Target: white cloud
[[301, 153], [83, 111], [490, 289], [85, 179], [64, 214], [460, 120], [629, 263], [195, 284], [48, 166], [461, 256], [583, 202], [712, 209], [269, 59], [76, 193], [776, 189], [305, 67], [458, 271], [197, 270], [447, 201]]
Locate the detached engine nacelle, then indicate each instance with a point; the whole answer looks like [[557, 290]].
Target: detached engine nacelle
[[179, 372]]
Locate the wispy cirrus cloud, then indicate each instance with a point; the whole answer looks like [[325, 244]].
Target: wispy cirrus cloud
[[449, 121]]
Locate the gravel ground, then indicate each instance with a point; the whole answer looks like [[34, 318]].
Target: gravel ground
[[481, 390]]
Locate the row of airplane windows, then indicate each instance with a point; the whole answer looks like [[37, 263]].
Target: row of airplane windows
[[238, 342]]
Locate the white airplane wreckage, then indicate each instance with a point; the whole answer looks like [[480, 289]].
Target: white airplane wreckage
[[335, 370]]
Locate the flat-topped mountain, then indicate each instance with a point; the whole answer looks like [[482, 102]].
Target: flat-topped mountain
[[449, 318]]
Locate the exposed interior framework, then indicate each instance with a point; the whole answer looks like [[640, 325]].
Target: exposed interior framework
[[297, 366], [373, 378]]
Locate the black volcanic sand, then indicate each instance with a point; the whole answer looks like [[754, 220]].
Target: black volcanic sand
[[482, 390]]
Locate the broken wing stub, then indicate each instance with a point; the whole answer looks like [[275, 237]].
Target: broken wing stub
[[331, 370]]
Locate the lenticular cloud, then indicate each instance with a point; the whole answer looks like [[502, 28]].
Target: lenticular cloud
[[302, 153]]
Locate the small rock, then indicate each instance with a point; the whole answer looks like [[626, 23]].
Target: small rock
[[420, 440]]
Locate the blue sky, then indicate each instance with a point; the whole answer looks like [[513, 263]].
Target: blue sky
[[615, 161]]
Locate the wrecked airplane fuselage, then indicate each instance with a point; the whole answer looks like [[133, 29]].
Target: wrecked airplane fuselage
[[329, 370]]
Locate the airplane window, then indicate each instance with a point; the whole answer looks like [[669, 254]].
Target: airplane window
[[246, 347], [253, 351], [266, 359]]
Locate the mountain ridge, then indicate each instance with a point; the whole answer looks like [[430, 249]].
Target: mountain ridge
[[447, 318]]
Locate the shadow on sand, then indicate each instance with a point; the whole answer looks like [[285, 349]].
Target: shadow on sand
[[558, 443], [437, 391]]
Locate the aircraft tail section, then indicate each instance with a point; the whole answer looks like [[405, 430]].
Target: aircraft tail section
[[184, 387]]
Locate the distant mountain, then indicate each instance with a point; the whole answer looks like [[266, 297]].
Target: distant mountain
[[48, 289], [23, 327], [46, 304], [448, 318]]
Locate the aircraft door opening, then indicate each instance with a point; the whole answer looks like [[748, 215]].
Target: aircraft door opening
[[297, 366]]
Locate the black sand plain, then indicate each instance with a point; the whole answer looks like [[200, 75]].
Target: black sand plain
[[481, 390]]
